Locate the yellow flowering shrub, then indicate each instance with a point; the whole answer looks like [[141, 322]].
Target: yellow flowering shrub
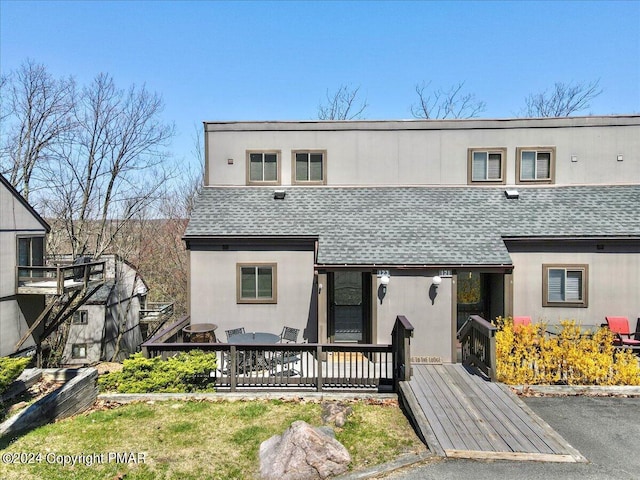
[[529, 355]]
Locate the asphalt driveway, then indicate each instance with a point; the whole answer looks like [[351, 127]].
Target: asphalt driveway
[[606, 430]]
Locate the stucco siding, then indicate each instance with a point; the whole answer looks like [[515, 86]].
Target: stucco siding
[[408, 294], [214, 300], [613, 286], [430, 157]]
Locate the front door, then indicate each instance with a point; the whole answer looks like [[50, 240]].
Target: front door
[[349, 307]]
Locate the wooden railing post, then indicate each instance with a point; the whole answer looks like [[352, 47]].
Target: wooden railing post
[[320, 380], [233, 368], [477, 337], [401, 345]]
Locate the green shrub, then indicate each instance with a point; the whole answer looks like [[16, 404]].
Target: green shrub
[[10, 369], [182, 373]]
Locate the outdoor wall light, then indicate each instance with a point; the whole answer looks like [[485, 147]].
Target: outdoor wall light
[[384, 281], [433, 290]]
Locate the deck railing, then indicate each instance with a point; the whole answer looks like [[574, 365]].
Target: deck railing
[[59, 277], [477, 337], [401, 342], [297, 366]]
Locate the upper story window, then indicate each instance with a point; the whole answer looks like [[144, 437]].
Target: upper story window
[[536, 164], [263, 167], [486, 165], [309, 167], [564, 285], [256, 283], [30, 254]]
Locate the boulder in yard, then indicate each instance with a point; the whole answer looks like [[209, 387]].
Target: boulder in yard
[[302, 452]]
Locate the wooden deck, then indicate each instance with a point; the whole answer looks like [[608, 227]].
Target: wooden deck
[[461, 414]]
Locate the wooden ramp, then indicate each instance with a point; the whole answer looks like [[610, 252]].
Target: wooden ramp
[[461, 414]]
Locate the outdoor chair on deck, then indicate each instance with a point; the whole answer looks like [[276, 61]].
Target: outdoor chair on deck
[[241, 362], [285, 358], [234, 331], [289, 334], [620, 327], [519, 322]]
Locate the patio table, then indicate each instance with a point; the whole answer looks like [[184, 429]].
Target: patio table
[[256, 359], [255, 338]]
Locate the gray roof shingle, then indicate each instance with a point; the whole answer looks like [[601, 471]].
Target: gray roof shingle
[[416, 225]]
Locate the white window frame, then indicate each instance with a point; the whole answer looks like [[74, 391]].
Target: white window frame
[[581, 301], [488, 151]]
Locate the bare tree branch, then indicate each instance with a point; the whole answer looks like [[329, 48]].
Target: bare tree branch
[[442, 104], [563, 100], [343, 104], [38, 112], [111, 169]]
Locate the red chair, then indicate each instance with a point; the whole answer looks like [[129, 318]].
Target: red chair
[[521, 321], [620, 326]]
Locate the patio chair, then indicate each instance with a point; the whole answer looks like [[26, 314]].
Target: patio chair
[[234, 331], [519, 322], [289, 334], [288, 358], [620, 327]]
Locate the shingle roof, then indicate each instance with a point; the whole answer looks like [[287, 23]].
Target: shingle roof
[[416, 225]]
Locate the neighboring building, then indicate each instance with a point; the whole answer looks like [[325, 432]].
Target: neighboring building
[[110, 319], [302, 223], [22, 242]]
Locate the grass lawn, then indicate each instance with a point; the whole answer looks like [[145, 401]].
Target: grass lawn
[[195, 440]]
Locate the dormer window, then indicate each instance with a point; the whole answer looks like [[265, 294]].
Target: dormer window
[[535, 164], [263, 167], [309, 167], [486, 165]]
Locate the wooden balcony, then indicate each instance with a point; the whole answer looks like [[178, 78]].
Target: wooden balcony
[[58, 279], [154, 317]]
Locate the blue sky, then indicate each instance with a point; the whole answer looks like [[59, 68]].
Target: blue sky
[[276, 60]]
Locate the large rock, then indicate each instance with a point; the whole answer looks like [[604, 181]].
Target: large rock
[[302, 452]]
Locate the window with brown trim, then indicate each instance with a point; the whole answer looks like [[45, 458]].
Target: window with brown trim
[[486, 165], [257, 283], [263, 167], [565, 285], [535, 164], [309, 166]]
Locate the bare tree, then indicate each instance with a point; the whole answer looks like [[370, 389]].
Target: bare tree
[[563, 100], [111, 168], [440, 103], [36, 113], [343, 104]]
